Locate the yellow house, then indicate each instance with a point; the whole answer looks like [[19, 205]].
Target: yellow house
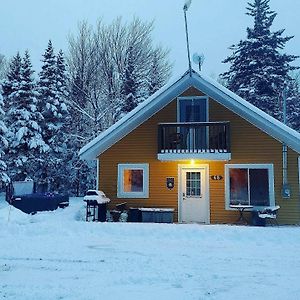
[[200, 149]]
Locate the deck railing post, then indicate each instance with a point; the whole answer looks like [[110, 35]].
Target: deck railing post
[[228, 137], [159, 138]]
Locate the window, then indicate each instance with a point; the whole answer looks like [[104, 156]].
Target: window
[[133, 181], [193, 184], [192, 109], [249, 185]]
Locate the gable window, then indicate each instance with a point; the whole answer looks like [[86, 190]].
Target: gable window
[[249, 184], [133, 181], [193, 109]]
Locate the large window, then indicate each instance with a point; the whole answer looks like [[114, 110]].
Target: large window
[[133, 181], [249, 185]]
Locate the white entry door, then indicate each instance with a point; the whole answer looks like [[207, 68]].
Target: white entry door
[[193, 196]]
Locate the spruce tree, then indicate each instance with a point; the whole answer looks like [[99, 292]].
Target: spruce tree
[[259, 69], [11, 83], [23, 118], [62, 150], [293, 104], [52, 95], [130, 83], [3, 143], [61, 80]]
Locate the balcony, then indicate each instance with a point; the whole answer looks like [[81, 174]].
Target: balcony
[[197, 140]]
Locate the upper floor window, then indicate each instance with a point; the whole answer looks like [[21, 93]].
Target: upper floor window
[[193, 109]]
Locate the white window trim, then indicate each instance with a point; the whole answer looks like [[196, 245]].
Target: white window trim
[[270, 168], [120, 191]]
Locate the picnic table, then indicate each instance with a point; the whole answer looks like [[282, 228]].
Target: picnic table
[[241, 208]]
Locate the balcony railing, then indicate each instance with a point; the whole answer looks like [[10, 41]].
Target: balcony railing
[[198, 137]]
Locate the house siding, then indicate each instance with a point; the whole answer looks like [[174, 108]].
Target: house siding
[[248, 145]]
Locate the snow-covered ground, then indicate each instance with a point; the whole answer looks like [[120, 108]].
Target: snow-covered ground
[[56, 255]]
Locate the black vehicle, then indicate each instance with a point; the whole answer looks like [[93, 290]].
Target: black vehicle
[[21, 195]]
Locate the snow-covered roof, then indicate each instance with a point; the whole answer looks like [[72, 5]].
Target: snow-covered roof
[[173, 89]]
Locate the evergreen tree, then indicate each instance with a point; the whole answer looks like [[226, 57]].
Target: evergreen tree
[[259, 70], [52, 94], [23, 118], [3, 143], [63, 149], [11, 84], [293, 104], [47, 93], [61, 79]]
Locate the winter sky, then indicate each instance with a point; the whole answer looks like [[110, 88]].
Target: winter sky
[[213, 25]]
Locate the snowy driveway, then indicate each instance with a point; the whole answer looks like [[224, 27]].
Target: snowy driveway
[[53, 255]]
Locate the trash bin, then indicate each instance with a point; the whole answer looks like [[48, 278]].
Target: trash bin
[[134, 215], [256, 220], [102, 209]]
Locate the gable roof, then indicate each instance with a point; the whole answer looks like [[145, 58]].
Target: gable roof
[[167, 93]]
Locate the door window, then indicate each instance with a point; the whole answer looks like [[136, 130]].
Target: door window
[[193, 184]]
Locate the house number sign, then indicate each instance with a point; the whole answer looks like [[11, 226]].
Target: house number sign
[[170, 182], [216, 177]]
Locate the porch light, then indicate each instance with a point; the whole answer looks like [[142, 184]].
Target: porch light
[[192, 161]]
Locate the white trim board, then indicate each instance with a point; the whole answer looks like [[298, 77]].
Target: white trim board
[[169, 92]]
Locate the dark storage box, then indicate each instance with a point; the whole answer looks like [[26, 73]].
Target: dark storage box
[[157, 215], [134, 215], [256, 220]]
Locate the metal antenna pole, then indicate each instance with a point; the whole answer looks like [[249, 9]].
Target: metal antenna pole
[[286, 191], [185, 8]]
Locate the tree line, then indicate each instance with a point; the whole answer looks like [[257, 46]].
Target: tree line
[[108, 70], [46, 119]]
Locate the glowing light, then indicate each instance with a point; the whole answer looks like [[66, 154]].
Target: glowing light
[[192, 161]]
